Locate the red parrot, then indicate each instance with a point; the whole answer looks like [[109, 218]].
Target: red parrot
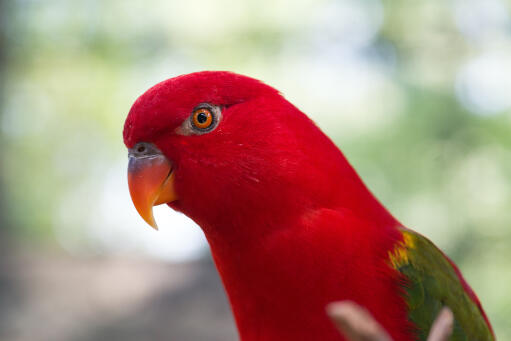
[[290, 224]]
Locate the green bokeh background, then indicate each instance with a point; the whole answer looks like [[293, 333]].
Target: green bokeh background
[[414, 92]]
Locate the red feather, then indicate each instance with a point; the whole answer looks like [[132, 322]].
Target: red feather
[[290, 224]]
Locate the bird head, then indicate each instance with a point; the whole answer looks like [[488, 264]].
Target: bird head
[[226, 149]]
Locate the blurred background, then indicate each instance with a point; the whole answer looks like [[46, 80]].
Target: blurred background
[[416, 93]]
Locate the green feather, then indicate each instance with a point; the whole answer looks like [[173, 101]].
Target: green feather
[[432, 284]]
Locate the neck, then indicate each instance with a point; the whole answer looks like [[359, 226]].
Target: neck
[[268, 282], [279, 280], [275, 208]]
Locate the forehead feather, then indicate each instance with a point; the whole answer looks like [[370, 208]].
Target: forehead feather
[[164, 104]]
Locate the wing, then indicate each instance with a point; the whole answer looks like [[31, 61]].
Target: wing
[[433, 281]]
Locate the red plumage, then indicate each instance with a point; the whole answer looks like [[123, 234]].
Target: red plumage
[[290, 224]]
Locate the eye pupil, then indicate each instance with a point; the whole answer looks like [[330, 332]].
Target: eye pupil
[[141, 149], [202, 118]]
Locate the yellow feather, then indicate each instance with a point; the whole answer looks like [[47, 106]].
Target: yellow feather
[[399, 256]]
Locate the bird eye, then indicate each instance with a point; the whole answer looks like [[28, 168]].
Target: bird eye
[[202, 118]]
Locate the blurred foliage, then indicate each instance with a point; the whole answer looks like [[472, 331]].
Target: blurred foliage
[[391, 82]]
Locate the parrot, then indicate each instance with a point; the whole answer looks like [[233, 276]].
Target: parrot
[[290, 224]]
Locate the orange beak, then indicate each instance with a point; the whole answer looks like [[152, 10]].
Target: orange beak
[[151, 183]]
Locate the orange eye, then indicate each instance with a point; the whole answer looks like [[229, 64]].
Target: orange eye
[[202, 118]]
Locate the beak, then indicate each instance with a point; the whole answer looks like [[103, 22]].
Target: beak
[[151, 183]]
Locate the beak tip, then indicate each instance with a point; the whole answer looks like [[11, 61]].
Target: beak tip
[[149, 219]]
